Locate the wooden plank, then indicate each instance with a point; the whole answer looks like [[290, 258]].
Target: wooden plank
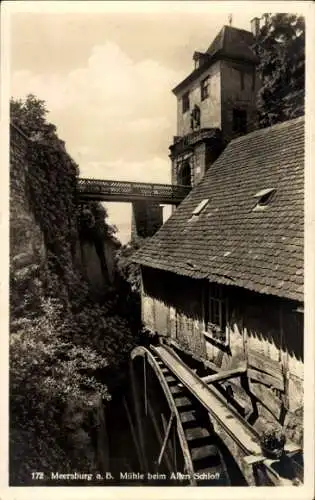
[[136, 399], [141, 351], [291, 448], [167, 435], [264, 364], [237, 427], [208, 364], [209, 450], [133, 433], [265, 379], [223, 375], [266, 398], [159, 435]]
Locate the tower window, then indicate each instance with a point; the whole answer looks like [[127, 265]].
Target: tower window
[[204, 88], [184, 175], [185, 102], [239, 121]]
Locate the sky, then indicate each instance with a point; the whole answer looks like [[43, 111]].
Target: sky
[[106, 76]]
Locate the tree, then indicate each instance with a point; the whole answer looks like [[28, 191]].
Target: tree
[[280, 46], [30, 115]]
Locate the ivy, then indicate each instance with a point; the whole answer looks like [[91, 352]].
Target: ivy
[[51, 185], [62, 343]]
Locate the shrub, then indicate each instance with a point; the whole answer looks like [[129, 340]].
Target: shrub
[[45, 373]]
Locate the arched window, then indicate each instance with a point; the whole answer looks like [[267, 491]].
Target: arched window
[[184, 175]]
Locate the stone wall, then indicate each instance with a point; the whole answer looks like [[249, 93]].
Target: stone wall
[[26, 238], [233, 95], [261, 331], [232, 85], [85, 428], [147, 218], [210, 107], [100, 273]]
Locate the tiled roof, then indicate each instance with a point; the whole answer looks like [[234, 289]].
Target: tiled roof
[[229, 242], [234, 43]]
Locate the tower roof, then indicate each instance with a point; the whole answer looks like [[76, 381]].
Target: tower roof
[[233, 43], [230, 43]]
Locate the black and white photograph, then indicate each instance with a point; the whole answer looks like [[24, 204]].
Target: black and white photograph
[[156, 296]]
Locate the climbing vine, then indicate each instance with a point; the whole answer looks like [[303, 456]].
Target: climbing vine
[[51, 185]]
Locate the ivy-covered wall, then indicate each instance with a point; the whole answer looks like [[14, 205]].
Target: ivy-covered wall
[[26, 237], [66, 348]]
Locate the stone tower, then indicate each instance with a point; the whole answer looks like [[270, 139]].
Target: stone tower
[[216, 102]]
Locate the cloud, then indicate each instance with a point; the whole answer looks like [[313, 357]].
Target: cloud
[[156, 169], [116, 115], [112, 105]]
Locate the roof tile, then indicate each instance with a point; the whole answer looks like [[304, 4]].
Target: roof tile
[[266, 246]]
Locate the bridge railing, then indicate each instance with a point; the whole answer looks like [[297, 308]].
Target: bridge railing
[[132, 189]]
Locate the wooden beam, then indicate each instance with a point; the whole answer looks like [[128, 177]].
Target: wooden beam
[[265, 379], [206, 363], [133, 433], [223, 375], [139, 419], [145, 385], [159, 436], [167, 435], [264, 364]]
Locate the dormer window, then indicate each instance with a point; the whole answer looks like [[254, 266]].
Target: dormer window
[[200, 207], [264, 197], [199, 59], [198, 210], [204, 88], [185, 102]]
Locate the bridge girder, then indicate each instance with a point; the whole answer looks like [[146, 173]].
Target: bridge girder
[[122, 191]]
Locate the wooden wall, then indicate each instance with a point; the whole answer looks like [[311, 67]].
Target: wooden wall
[[265, 332]]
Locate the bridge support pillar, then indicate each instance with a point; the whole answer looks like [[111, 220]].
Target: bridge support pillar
[[147, 218]]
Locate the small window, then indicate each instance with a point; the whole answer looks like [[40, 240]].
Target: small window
[[215, 313], [239, 121], [201, 206], [264, 197], [185, 102], [204, 88]]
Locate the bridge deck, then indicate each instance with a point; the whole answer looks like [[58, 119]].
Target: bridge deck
[[123, 191]]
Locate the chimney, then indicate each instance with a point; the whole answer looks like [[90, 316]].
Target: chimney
[[255, 26]]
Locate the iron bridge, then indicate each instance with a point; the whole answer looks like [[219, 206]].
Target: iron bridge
[[123, 191]]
